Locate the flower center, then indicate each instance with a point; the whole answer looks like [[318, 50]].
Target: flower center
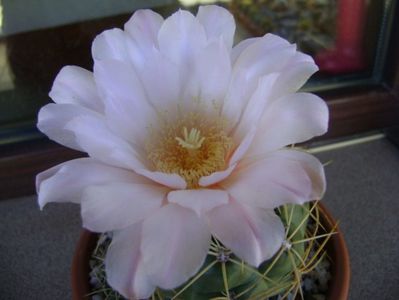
[[191, 147]]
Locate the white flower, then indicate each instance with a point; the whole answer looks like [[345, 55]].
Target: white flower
[[185, 136]]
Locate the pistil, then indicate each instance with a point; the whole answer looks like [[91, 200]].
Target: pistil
[[192, 140]]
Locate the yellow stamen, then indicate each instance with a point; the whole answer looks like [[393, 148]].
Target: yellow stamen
[[193, 140]]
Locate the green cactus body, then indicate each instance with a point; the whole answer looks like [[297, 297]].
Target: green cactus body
[[225, 276]]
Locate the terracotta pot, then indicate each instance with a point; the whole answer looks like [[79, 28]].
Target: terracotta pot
[[340, 267], [336, 248]]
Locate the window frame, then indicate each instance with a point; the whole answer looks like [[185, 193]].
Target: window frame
[[356, 108]]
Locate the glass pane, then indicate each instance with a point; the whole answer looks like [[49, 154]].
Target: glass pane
[[343, 36], [37, 38]]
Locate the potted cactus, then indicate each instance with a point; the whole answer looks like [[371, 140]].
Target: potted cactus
[[192, 185], [314, 240]]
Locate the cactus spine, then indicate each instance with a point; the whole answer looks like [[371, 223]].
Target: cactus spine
[[226, 277]]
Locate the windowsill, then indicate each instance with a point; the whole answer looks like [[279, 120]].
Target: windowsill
[[37, 246]]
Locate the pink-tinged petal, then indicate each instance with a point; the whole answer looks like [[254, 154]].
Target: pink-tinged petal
[[165, 74], [293, 72], [294, 75], [252, 234], [313, 168], [218, 22], [263, 57], [117, 205], [65, 182], [52, 119], [171, 180], [93, 135], [290, 120], [180, 38], [124, 265], [271, 182], [243, 147], [143, 27], [110, 45], [75, 85], [216, 176], [272, 40], [301, 58], [240, 47], [200, 200], [236, 99], [256, 105], [126, 107], [174, 246], [142, 30], [212, 72], [266, 55]]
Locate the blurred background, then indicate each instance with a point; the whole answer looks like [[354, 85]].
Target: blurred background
[[355, 43], [350, 40]]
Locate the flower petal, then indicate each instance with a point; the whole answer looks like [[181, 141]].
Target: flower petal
[[215, 177], [294, 75], [165, 74], [218, 22], [243, 147], [290, 120], [263, 57], [180, 38], [200, 200], [93, 135], [117, 205], [266, 55], [313, 168], [110, 44], [240, 47], [52, 119], [253, 234], [171, 180], [212, 71], [236, 99], [75, 85], [256, 105], [142, 29], [124, 266], [76, 175], [281, 177], [180, 238], [126, 107]]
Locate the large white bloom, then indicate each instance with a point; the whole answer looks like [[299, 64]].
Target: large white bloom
[[185, 136]]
